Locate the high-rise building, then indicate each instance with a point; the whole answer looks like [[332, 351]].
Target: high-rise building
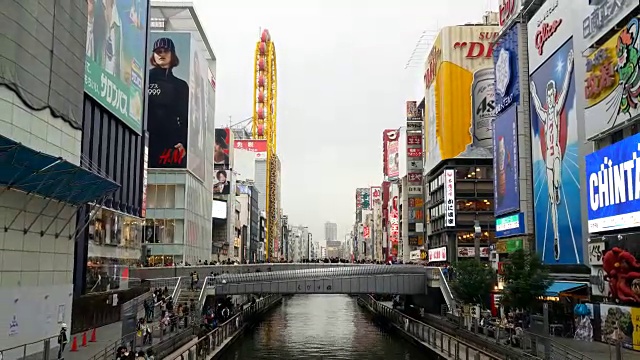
[[330, 231]]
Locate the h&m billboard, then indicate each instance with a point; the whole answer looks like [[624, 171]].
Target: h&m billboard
[[178, 100]]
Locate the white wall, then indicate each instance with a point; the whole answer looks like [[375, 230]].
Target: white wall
[[36, 272]]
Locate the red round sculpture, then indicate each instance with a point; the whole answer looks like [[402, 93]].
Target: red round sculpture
[[260, 130], [262, 48], [261, 96], [261, 81]]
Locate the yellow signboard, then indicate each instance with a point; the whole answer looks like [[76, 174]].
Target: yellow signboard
[[459, 92]]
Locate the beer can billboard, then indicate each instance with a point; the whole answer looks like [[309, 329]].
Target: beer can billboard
[[460, 64]]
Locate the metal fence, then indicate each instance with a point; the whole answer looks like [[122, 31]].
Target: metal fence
[[444, 344], [212, 341], [527, 342], [37, 350]]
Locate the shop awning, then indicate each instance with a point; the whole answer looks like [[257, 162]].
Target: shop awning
[[37, 173], [558, 287]]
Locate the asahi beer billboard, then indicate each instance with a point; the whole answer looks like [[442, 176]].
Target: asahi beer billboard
[[460, 60]]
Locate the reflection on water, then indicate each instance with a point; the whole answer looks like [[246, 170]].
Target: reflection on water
[[320, 327]]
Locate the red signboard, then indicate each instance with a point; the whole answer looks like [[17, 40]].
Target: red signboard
[[414, 177], [414, 152], [545, 32], [251, 145], [414, 139]]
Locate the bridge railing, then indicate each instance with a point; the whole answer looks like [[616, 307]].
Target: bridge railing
[[209, 343], [314, 274], [446, 345]]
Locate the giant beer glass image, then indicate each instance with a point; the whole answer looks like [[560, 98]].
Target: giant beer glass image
[[483, 108]]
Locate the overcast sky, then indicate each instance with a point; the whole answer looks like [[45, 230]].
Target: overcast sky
[[341, 81]]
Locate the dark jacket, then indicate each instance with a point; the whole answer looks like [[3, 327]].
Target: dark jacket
[[168, 117]]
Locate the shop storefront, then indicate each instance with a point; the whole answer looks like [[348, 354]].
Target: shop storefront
[[115, 238]]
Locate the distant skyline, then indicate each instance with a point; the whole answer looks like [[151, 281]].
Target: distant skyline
[[341, 81]]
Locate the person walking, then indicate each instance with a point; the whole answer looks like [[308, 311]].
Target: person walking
[[63, 340]]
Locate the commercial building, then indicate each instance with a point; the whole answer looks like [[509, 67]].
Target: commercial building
[[284, 238], [330, 231], [458, 166], [181, 139], [601, 123], [334, 249], [49, 188], [246, 190]]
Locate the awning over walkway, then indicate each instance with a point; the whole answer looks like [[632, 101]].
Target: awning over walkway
[[558, 287], [37, 173]]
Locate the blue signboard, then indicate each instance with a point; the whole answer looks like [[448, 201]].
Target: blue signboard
[[554, 154], [510, 225], [505, 60], [612, 189], [505, 162]]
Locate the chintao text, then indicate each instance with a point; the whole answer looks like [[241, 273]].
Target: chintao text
[[615, 184]]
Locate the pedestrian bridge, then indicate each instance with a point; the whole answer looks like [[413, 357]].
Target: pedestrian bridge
[[360, 279], [206, 270]]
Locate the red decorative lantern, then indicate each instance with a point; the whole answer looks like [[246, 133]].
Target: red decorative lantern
[[262, 112], [260, 130], [265, 35], [262, 48], [261, 81], [262, 64], [261, 96]]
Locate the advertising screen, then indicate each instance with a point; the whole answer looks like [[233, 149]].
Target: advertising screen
[[222, 182], [219, 209], [507, 77], [391, 156], [460, 64], [168, 113], [115, 57], [555, 149], [221, 149], [199, 97], [612, 191], [611, 78], [505, 162]]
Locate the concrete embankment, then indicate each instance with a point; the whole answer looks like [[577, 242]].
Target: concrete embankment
[[213, 344]]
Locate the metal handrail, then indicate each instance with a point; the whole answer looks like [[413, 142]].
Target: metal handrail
[[202, 296], [45, 347], [568, 353], [110, 349], [406, 322], [176, 290], [212, 340]]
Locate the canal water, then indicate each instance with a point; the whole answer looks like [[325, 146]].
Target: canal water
[[321, 327]]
